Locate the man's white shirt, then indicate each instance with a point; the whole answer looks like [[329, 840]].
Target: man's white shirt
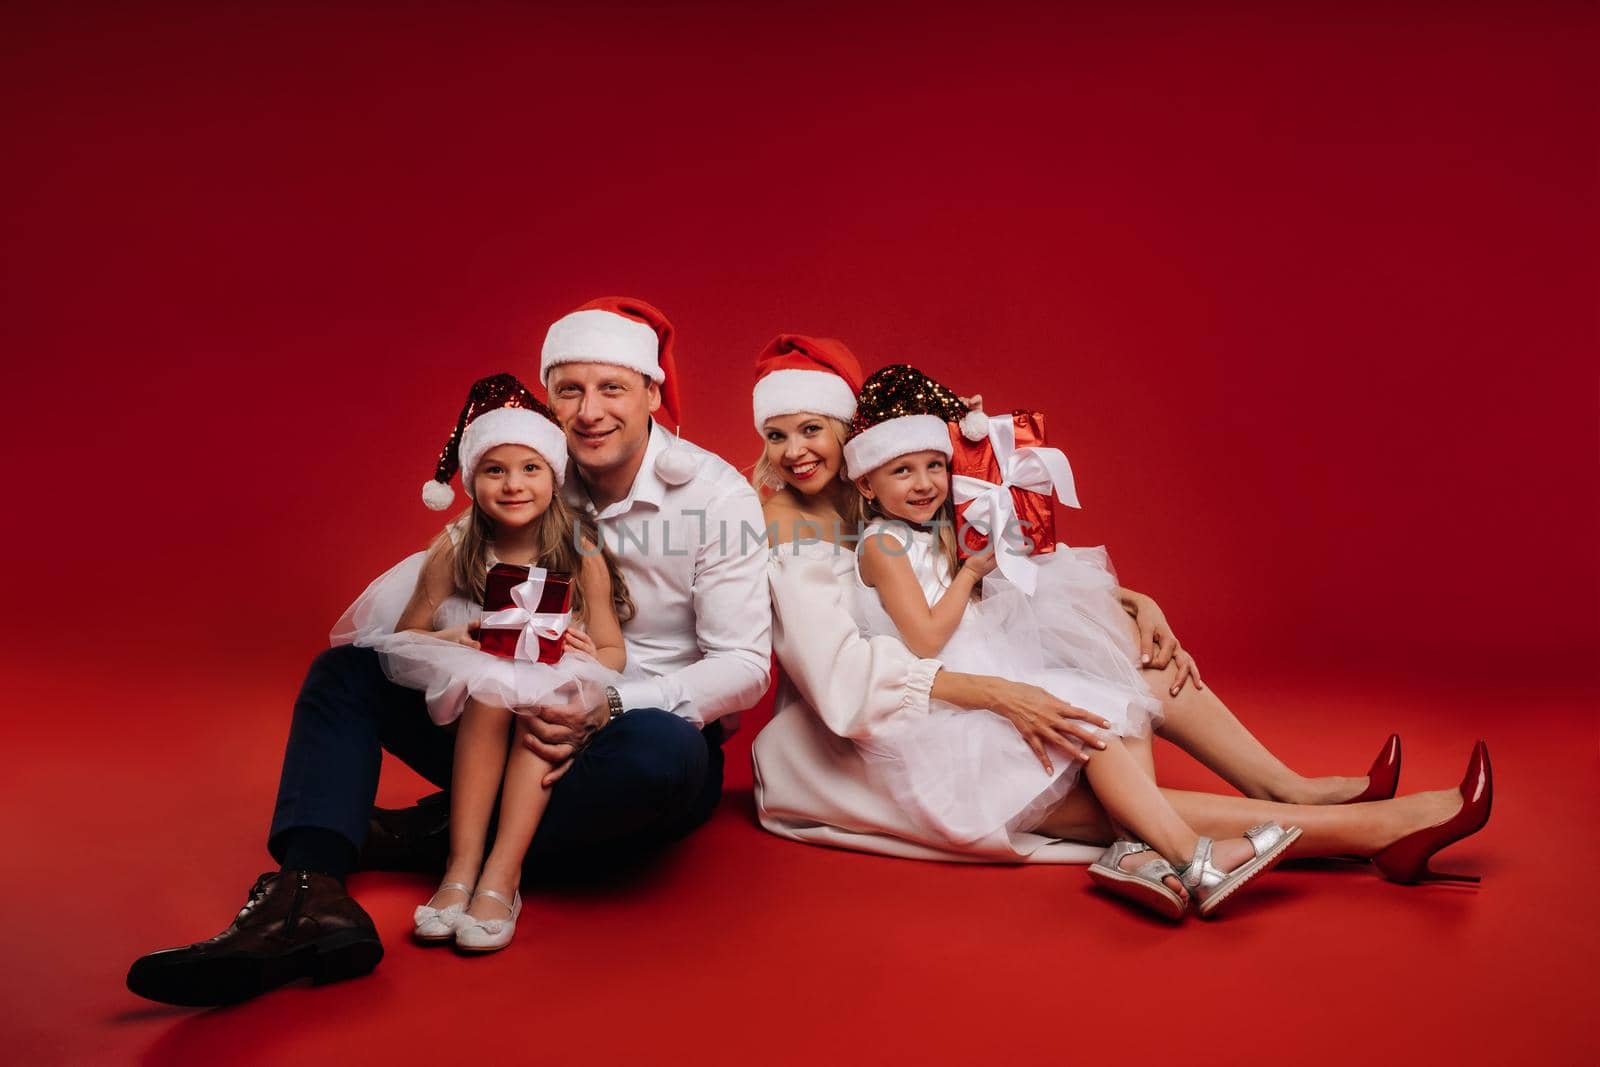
[[695, 559]]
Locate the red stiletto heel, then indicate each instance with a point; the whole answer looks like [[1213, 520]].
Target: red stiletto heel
[[1406, 861], [1383, 779]]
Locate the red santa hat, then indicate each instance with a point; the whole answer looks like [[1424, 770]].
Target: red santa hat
[[812, 375], [623, 332], [500, 410]]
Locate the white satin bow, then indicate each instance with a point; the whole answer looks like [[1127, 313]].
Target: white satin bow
[[549, 625], [994, 513]]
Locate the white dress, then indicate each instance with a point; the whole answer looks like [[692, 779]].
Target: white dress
[[836, 689], [449, 673], [968, 775]]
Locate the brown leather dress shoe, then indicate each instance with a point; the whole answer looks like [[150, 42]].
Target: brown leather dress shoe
[[408, 839], [296, 924]]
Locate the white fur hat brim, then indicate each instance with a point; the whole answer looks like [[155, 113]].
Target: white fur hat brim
[[793, 392], [512, 426], [599, 336], [877, 445]]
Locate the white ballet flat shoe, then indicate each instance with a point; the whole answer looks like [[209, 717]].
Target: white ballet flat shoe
[[432, 925], [488, 935]]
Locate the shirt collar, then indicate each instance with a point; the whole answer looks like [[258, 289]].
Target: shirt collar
[[647, 488]]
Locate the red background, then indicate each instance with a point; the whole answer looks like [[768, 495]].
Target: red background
[[1308, 295]]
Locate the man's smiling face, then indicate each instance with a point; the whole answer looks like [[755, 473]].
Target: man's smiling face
[[605, 411]]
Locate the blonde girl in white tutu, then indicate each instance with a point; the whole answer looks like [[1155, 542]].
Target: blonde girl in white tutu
[[965, 775], [427, 620]]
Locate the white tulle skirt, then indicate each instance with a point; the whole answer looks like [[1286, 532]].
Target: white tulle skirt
[[968, 775], [449, 673]]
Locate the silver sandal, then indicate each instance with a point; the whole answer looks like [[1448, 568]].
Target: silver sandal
[[1144, 885], [1210, 887]]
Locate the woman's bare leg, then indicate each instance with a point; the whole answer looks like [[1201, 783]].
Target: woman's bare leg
[[1327, 830], [1198, 722], [481, 741], [523, 799]]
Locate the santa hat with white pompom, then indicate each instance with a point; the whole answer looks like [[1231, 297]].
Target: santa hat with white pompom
[[500, 410], [901, 410], [624, 331]]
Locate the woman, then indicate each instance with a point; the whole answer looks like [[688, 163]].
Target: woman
[[837, 687]]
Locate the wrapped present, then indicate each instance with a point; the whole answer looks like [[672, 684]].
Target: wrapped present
[[526, 612], [1002, 486]]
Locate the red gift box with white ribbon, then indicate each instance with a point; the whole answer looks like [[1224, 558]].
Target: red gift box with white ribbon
[[526, 612], [1003, 486]]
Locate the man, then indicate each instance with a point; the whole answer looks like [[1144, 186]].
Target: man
[[638, 769]]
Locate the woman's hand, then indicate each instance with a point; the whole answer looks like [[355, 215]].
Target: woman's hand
[[462, 634], [578, 640], [1186, 671], [1158, 645], [1042, 720]]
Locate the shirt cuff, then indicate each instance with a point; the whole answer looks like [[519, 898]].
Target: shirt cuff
[[919, 685], [646, 693]]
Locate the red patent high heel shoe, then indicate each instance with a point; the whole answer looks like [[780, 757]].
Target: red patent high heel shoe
[[1383, 779], [1406, 861]]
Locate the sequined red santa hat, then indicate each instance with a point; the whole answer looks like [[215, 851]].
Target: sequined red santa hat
[[500, 410], [796, 375], [901, 410], [622, 331]]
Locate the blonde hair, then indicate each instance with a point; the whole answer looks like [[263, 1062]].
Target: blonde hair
[[768, 479], [558, 533]]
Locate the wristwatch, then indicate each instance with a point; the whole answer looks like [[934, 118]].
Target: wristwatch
[[613, 701]]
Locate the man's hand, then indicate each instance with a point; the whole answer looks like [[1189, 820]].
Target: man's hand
[[557, 732]]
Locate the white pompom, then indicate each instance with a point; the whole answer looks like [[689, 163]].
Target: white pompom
[[975, 426], [676, 466], [437, 495]]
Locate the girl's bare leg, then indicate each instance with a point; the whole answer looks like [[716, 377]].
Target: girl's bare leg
[[1198, 722], [1139, 749], [523, 798], [482, 736], [1129, 794]]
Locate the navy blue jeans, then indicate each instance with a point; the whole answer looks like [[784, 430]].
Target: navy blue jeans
[[648, 778]]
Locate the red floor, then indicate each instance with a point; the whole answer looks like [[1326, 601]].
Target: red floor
[[146, 831]]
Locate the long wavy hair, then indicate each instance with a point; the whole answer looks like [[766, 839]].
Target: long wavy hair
[[558, 533], [768, 479]]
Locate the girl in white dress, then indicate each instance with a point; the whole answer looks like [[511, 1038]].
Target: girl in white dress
[[967, 775], [838, 688], [426, 619]]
